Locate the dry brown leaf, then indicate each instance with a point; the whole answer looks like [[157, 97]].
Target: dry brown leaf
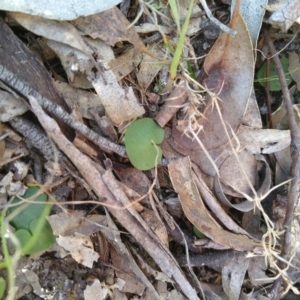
[[263, 140], [196, 212], [120, 104], [230, 68], [110, 26], [84, 100], [62, 32], [80, 247], [156, 225], [150, 66], [125, 63]]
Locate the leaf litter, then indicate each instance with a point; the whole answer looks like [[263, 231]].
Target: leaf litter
[[215, 149]]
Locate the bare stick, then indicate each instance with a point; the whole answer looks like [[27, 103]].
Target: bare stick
[[103, 143], [217, 22], [295, 170]]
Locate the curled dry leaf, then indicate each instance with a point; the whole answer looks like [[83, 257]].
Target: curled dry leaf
[[195, 210]]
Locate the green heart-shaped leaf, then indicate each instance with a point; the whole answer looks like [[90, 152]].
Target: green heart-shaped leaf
[[141, 139], [273, 77], [28, 212]]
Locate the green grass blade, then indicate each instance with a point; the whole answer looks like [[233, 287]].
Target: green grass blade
[[178, 51]]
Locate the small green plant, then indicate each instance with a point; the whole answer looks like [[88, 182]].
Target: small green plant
[[29, 220], [141, 139], [32, 232], [183, 31], [273, 78]]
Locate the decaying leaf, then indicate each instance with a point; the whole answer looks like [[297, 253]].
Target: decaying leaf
[[84, 100], [95, 291], [11, 106], [253, 12], [110, 26], [120, 104], [230, 76], [285, 15], [196, 212], [233, 274], [62, 32], [80, 247]]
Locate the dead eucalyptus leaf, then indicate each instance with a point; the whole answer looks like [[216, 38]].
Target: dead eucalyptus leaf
[[62, 32], [253, 12], [195, 210], [110, 26], [263, 140], [230, 68], [120, 104]]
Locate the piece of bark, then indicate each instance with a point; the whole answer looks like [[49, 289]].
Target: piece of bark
[[21, 71]]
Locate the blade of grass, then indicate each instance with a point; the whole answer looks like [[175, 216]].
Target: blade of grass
[[178, 51], [175, 13]]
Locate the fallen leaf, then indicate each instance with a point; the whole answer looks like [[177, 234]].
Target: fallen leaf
[[286, 15], [196, 212], [233, 274], [83, 99], [80, 247], [252, 12], [111, 26], [95, 291], [120, 104], [230, 76], [263, 140], [62, 32]]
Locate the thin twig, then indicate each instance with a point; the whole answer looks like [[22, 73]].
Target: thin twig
[[295, 169], [103, 143], [217, 22]]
